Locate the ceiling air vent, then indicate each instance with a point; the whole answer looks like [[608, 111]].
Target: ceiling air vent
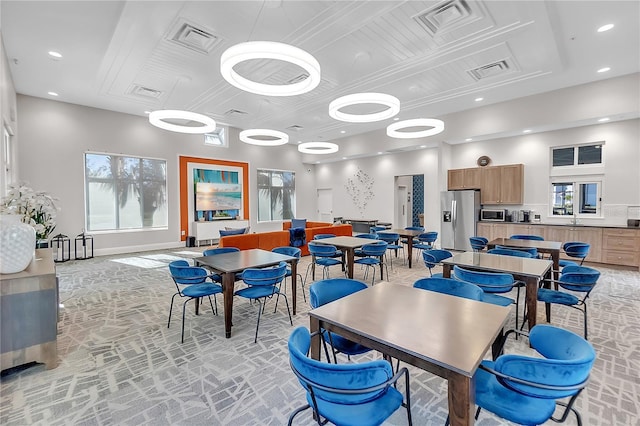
[[298, 79], [444, 16], [490, 70], [145, 92], [295, 128], [234, 112], [194, 38]]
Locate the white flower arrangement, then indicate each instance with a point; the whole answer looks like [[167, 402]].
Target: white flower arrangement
[[37, 209]]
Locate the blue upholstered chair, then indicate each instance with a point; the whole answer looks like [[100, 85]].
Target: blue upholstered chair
[[371, 236], [412, 228], [346, 394], [526, 237], [450, 286], [263, 283], [191, 283], [492, 283], [425, 241], [508, 251], [375, 229], [293, 252], [325, 291], [373, 257], [221, 250], [338, 253], [574, 249], [478, 243], [322, 255], [576, 279], [432, 258], [392, 239], [524, 390]]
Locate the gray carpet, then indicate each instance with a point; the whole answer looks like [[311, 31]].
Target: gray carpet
[[120, 364]]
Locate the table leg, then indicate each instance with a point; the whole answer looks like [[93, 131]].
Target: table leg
[[313, 268], [294, 283], [410, 249], [381, 265], [350, 256], [228, 282], [531, 300], [461, 400], [555, 257], [446, 271], [314, 326]]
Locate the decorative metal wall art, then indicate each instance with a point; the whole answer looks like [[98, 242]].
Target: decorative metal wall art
[[360, 190]]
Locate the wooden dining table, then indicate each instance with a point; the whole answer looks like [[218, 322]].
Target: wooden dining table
[[550, 247], [348, 245], [409, 234], [229, 264], [442, 334], [530, 271]]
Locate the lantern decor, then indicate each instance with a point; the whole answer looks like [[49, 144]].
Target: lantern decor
[[61, 246], [85, 249]]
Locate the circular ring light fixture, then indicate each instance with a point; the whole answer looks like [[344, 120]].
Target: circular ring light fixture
[[264, 137], [318, 148], [437, 126], [157, 118], [269, 50], [391, 102]]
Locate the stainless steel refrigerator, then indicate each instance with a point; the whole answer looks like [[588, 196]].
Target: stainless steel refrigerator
[[459, 213]]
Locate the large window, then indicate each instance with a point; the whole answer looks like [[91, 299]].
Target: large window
[[276, 195], [576, 198], [125, 192]]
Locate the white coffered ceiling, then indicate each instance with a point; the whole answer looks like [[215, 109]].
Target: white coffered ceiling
[[435, 56]]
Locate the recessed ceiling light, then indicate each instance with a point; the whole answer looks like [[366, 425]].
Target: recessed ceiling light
[[55, 54], [423, 146], [343, 131], [468, 139], [605, 28], [380, 152], [605, 69], [52, 93], [344, 158], [602, 120], [396, 119], [526, 131], [479, 99], [147, 112]]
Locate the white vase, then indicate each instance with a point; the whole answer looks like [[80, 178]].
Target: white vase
[[17, 244]]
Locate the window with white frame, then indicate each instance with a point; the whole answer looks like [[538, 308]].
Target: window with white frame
[[577, 155], [276, 195], [125, 192], [576, 198]]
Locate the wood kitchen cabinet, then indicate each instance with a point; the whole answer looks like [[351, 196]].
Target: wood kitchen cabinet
[[583, 234], [621, 247], [502, 184], [470, 178]]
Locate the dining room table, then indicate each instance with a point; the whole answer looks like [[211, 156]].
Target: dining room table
[[552, 248], [445, 335], [230, 264], [409, 234], [348, 245], [530, 271]]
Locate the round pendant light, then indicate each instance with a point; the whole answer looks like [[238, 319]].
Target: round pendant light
[[318, 148], [158, 119], [264, 137], [437, 126], [269, 50], [391, 102]]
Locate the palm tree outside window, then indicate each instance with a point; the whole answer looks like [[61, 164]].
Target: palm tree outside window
[[276, 195]]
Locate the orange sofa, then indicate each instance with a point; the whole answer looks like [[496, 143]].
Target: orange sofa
[[273, 239]]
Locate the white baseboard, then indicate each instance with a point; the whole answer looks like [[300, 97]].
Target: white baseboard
[[138, 248]]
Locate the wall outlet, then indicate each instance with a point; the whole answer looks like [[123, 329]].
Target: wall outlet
[[183, 232]]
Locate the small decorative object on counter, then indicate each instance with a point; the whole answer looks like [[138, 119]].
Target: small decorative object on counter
[[61, 246], [84, 246]]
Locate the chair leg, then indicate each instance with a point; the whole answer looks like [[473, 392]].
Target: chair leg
[[585, 322], [260, 304], [215, 311], [304, 295], [184, 306], [286, 301], [296, 412], [171, 309], [547, 309]]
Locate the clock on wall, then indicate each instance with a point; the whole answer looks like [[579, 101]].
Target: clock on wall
[[483, 161]]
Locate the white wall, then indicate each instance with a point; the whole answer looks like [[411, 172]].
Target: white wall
[[55, 135], [8, 115]]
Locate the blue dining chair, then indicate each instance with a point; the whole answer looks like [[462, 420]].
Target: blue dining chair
[[322, 255], [425, 241], [346, 394], [493, 284], [527, 390], [392, 239], [412, 228], [191, 283], [574, 249], [263, 284], [375, 229], [526, 237], [338, 253], [451, 287], [478, 243], [326, 291], [293, 252], [531, 250], [373, 255], [508, 251], [577, 280], [221, 250], [432, 258], [371, 236]]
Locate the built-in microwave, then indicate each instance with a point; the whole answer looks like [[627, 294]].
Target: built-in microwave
[[493, 215]]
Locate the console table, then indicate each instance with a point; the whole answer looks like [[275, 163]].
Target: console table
[[362, 226], [210, 230], [29, 314]]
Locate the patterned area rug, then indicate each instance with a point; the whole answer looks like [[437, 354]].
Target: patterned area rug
[[120, 364]]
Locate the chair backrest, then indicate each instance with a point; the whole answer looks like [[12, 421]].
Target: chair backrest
[[322, 236], [578, 278], [219, 250], [433, 257], [576, 249], [320, 377], [428, 237], [288, 251], [182, 273], [374, 249], [478, 243], [414, 228], [526, 237], [374, 229], [265, 276], [490, 282], [568, 359], [450, 286], [389, 237], [325, 291], [321, 250], [510, 252], [369, 236]]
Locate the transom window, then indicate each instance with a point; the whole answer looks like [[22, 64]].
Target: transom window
[[577, 155], [124, 192], [276, 195]]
